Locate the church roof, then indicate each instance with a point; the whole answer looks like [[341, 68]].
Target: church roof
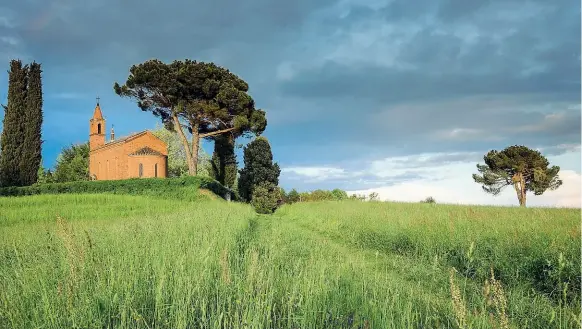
[[146, 151], [123, 139], [97, 113]]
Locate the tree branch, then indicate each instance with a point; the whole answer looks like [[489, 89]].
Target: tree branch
[[218, 132]]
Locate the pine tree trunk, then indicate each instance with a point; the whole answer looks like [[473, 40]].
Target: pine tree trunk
[[230, 165], [12, 141], [32, 156], [522, 190], [178, 128], [519, 185], [193, 170]]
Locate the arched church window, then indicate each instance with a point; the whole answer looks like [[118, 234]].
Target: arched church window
[[99, 129], [156, 170], [140, 169]]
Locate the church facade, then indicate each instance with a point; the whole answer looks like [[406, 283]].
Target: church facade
[[140, 155]]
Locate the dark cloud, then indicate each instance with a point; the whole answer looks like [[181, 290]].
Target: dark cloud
[[476, 75], [560, 149], [152, 28], [449, 75]]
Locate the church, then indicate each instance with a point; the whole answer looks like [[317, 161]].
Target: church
[[139, 155]]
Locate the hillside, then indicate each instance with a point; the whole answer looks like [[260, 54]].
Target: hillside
[[104, 261]]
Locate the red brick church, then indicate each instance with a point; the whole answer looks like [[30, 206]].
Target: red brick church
[[138, 155]]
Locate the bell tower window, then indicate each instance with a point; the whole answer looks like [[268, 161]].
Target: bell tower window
[[99, 129]]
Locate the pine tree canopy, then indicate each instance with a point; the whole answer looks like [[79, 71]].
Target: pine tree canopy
[[202, 98], [522, 167]]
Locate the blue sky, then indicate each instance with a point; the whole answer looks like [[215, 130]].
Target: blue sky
[[399, 97]]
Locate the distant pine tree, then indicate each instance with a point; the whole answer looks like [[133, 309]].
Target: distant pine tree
[[31, 155], [12, 142]]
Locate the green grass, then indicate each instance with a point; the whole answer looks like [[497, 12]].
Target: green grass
[[117, 261]]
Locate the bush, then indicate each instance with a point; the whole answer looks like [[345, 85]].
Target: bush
[[265, 198], [293, 196], [164, 187], [428, 200]]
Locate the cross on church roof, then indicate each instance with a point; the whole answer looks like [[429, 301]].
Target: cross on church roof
[[98, 100]]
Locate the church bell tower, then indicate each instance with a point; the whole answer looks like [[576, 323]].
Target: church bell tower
[[96, 128]]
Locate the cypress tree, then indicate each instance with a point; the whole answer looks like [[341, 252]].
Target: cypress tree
[[31, 155], [12, 142], [224, 160], [259, 168]]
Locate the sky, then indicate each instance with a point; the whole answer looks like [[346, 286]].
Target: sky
[[398, 97]]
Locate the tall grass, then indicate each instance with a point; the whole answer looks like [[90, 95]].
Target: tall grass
[[535, 253], [114, 261]]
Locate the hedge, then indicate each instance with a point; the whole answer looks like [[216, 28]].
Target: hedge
[[181, 188]]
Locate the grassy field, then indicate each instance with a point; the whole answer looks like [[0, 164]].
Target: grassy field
[[115, 261]]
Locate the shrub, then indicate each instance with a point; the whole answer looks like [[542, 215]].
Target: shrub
[[265, 198], [339, 194], [428, 200], [293, 196], [164, 187]]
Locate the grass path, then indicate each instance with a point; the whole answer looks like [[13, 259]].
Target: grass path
[[138, 262]]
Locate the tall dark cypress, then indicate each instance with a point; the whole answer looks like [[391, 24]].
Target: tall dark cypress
[[31, 155], [224, 160], [12, 142], [259, 168]]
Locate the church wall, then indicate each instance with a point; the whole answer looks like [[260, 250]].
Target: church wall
[[113, 162], [109, 163], [148, 163], [147, 139]]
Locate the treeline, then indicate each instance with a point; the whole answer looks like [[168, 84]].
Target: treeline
[[20, 145], [334, 195], [322, 195]]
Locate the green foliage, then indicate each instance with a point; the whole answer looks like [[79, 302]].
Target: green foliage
[[292, 197], [44, 176], [284, 198], [358, 197], [265, 198], [259, 168], [72, 164], [31, 153], [14, 126], [317, 195], [177, 161], [204, 99], [522, 167], [224, 165], [339, 194], [175, 188]]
